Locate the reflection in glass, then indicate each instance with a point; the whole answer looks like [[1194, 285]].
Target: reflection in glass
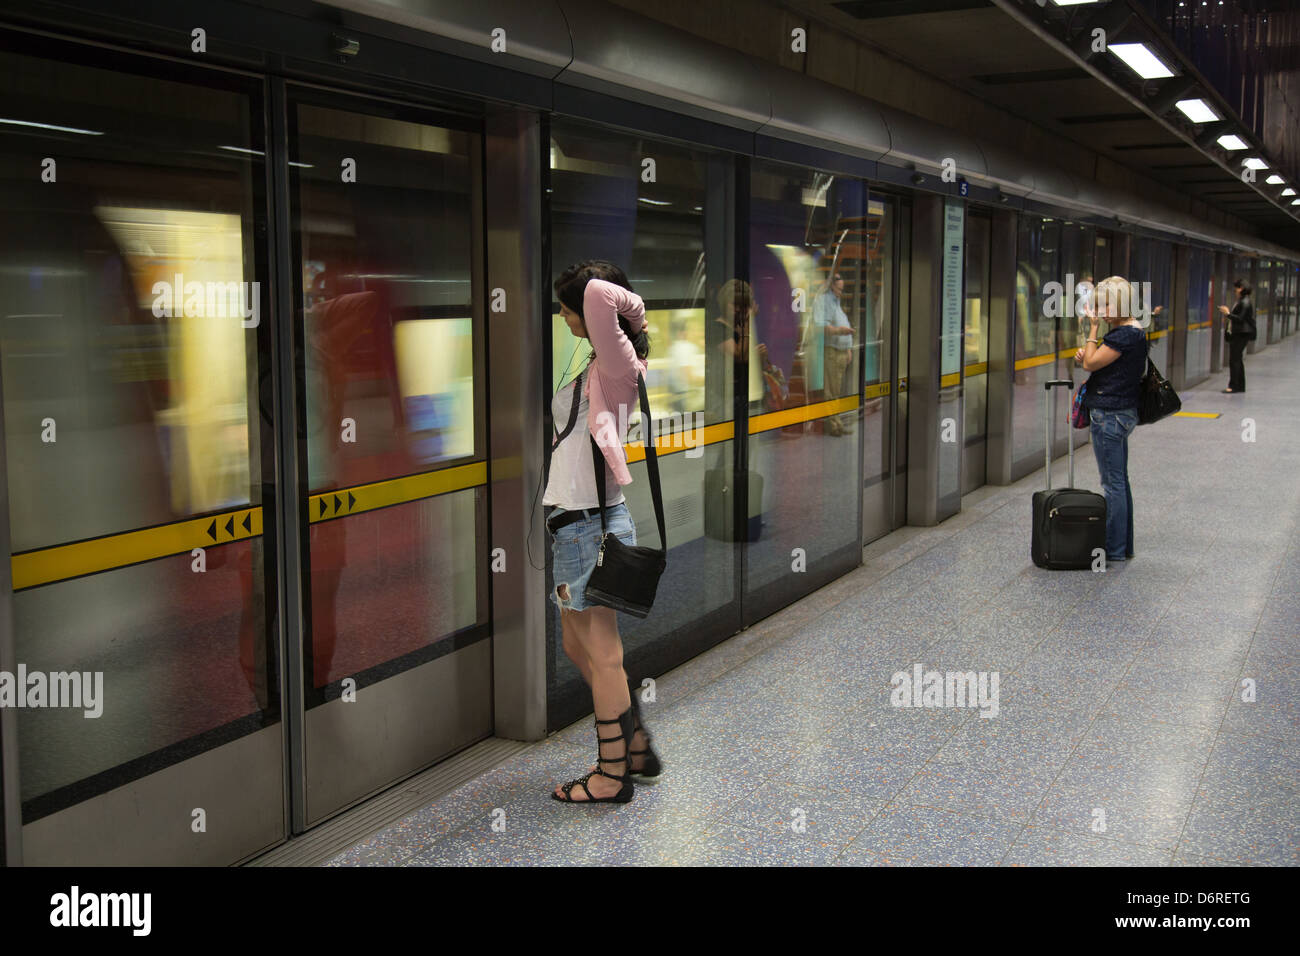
[[809, 243], [1038, 263], [132, 314], [390, 386], [601, 208]]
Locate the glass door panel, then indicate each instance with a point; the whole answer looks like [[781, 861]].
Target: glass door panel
[[389, 322], [134, 342], [879, 396], [809, 246]]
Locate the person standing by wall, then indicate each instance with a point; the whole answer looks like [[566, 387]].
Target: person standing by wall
[[1239, 332]]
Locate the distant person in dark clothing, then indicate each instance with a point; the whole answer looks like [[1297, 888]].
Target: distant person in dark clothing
[[1240, 332], [1117, 364]]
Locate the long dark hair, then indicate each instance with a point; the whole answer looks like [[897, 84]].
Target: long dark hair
[[571, 286]]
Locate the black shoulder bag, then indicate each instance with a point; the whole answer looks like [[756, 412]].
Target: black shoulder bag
[[1156, 397], [626, 578]]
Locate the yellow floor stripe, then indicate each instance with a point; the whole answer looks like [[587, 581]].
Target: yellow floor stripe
[[979, 368], [1199, 325], [1198, 414], [119, 550], [395, 491]]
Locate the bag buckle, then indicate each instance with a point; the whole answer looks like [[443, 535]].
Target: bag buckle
[[600, 556]]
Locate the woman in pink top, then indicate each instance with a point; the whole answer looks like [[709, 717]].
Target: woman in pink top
[[597, 304]]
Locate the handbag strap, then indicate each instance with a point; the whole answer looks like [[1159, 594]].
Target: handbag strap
[[573, 411], [651, 467]]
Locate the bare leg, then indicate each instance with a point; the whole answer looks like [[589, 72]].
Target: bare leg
[[574, 650], [597, 633]]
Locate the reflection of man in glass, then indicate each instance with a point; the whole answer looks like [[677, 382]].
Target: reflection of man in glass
[[837, 332], [738, 308]]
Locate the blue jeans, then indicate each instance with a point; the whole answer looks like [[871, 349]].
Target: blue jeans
[[1110, 431], [573, 553]]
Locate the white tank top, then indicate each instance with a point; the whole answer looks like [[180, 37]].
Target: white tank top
[[572, 481]]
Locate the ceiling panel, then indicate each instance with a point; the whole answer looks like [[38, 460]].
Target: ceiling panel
[[978, 48]]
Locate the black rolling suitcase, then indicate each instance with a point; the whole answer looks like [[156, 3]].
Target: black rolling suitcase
[[1069, 523]]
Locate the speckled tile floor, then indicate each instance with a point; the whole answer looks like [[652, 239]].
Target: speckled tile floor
[[1145, 716]]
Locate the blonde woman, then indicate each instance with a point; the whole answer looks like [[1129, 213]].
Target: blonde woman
[[1117, 364]]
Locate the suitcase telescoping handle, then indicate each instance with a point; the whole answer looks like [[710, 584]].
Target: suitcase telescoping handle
[[1050, 427]]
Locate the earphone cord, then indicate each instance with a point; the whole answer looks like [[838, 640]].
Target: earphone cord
[[528, 542]]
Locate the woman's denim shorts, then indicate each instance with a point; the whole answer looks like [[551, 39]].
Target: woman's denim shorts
[[574, 548]]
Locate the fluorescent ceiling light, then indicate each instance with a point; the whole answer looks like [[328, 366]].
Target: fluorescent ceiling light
[[1288, 191], [1139, 58], [60, 129], [258, 152], [1073, 3], [654, 202], [1275, 180], [1231, 142], [1254, 162], [1295, 202], [1198, 111]]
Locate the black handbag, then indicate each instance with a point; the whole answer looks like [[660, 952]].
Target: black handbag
[[1156, 397], [625, 577]]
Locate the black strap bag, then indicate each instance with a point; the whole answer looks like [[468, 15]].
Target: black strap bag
[[1156, 397], [626, 578]]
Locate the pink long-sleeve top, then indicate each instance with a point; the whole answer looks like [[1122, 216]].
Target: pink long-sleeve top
[[611, 388]]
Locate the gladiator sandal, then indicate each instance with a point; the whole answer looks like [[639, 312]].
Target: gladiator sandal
[[650, 765], [626, 726]]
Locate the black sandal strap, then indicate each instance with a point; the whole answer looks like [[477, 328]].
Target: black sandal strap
[[580, 782]]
